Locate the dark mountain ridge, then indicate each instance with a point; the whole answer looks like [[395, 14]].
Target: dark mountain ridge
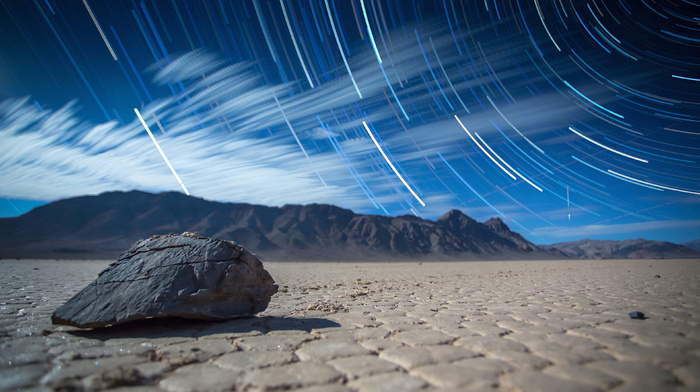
[[627, 249], [103, 226], [694, 245]]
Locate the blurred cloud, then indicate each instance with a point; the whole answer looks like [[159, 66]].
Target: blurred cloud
[[212, 137]]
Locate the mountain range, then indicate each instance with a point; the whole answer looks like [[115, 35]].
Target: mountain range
[[694, 245], [103, 226], [627, 249]]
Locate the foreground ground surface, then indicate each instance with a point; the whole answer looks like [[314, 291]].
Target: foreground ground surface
[[508, 326]]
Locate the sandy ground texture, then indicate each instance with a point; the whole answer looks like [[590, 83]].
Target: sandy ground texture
[[507, 326]]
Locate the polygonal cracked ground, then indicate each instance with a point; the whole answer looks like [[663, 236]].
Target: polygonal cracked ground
[[507, 326]]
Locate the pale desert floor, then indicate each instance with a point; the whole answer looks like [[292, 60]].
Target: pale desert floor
[[508, 326]]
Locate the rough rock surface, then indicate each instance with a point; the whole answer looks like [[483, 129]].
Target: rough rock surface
[[173, 276]]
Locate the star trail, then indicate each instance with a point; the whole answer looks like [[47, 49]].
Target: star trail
[[568, 119]]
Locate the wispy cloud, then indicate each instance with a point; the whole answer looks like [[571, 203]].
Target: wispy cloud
[[226, 132], [55, 155]]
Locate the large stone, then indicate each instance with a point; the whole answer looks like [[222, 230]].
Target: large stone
[[184, 276]]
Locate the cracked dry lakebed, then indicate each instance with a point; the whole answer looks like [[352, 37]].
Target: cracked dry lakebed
[[504, 326]]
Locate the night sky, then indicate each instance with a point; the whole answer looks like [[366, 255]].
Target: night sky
[[568, 119]]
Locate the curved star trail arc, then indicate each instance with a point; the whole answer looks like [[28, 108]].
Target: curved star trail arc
[[558, 116]]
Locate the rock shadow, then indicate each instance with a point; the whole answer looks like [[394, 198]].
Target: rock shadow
[[179, 327]]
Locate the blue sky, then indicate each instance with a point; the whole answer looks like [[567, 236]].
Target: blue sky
[[568, 120]]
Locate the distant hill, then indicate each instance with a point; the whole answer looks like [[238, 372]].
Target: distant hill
[[103, 226], [627, 249], [694, 245]]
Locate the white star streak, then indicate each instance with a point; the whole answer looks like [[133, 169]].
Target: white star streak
[[446, 76], [297, 139], [337, 41], [506, 163], [482, 149], [391, 165], [652, 184], [162, 130], [161, 152], [685, 78], [592, 102], [539, 11], [606, 147], [294, 41], [369, 32], [513, 126], [104, 38]]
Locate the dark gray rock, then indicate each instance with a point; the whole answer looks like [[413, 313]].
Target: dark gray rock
[[637, 315], [184, 276]]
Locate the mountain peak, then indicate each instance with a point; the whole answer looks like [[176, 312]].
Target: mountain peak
[[453, 215], [497, 225]]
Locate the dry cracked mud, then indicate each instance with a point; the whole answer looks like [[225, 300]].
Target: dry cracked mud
[[502, 326]]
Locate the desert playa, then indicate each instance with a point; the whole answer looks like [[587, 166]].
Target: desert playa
[[505, 326]]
